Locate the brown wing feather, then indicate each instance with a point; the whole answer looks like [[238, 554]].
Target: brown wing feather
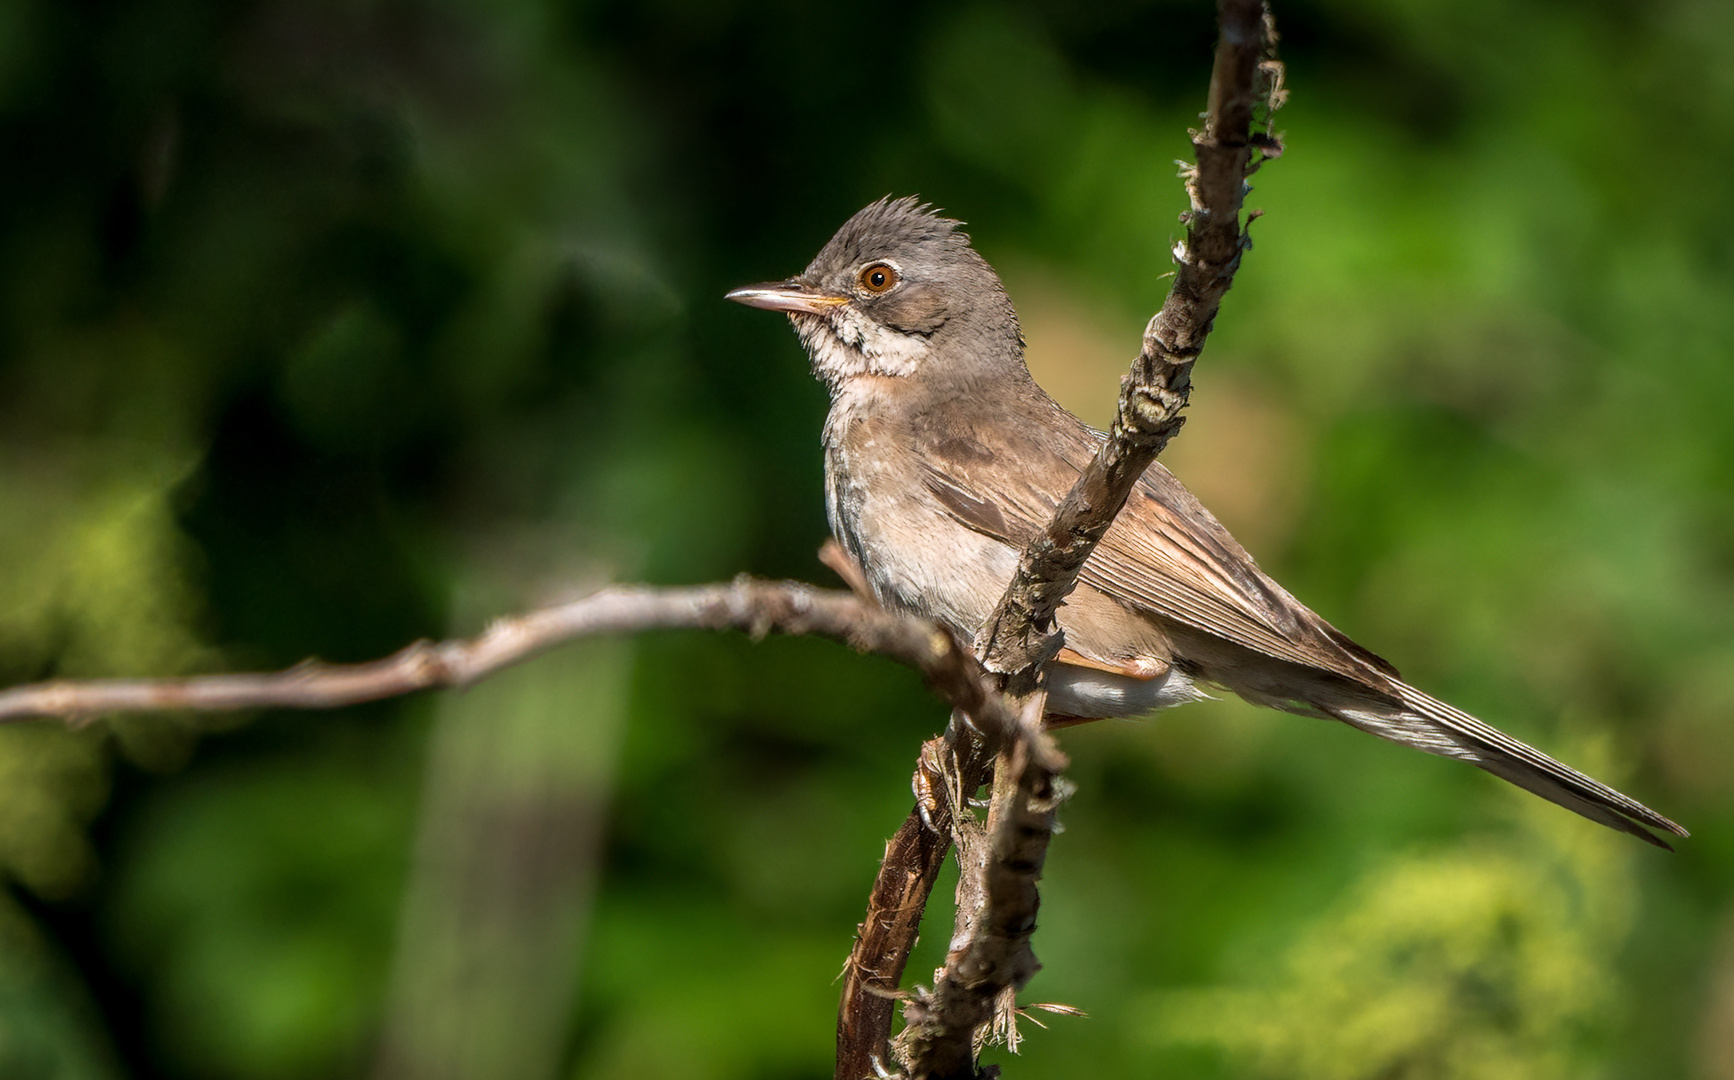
[[1165, 554]]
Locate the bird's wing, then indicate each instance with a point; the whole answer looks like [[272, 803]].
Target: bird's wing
[[1165, 554]]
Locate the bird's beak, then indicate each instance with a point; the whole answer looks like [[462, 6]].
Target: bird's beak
[[790, 295]]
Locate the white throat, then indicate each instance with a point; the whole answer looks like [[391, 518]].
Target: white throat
[[843, 345]]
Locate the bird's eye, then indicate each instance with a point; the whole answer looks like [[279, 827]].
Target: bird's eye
[[878, 277]]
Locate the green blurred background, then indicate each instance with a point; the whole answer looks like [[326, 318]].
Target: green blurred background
[[327, 326]]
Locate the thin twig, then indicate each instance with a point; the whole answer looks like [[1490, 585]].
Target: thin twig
[[757, 607]]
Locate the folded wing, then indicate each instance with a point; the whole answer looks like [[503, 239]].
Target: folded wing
[[1168, 557]]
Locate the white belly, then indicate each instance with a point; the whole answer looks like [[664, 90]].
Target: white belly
[[1090, 694]]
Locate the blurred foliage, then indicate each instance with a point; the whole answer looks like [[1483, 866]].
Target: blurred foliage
[[1486, 961], [326, 326]]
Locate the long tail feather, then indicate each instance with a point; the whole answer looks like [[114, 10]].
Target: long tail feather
[[1429, 724]]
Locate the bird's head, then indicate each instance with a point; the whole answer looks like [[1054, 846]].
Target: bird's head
[[898, 292]]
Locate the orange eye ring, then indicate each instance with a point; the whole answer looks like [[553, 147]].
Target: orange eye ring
[[879, 277]]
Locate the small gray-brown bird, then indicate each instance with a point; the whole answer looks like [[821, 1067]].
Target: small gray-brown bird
[[943, 458]]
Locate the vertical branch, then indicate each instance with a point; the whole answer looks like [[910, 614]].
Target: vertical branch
[[1017, 640], [990, 957], [913, 858]]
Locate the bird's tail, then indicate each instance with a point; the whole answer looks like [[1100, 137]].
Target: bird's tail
[[1429, 724]]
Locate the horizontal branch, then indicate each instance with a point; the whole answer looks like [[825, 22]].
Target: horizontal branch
[[756, 607]]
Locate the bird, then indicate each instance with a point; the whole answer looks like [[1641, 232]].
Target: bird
[[943, 458]]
